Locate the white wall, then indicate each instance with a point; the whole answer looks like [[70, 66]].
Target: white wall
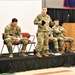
[[24, 10], [53, 3]]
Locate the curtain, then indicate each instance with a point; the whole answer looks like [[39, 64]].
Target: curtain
[[63, 15]]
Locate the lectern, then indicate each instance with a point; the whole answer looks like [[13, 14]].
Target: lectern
[[70, 31]]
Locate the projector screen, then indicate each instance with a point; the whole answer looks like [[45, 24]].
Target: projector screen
[[25, 11]]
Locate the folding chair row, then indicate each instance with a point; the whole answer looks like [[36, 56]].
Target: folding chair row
[[25, 34]]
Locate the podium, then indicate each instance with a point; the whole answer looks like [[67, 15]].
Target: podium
[[70, 31]]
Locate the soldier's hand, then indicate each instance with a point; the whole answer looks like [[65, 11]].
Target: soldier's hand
[[14, 38], [43, 22], [21, 38], [51, 38]]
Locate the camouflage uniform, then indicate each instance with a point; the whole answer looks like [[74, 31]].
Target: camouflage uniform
[[10, 32], [42, 37], [66, 39], [57, 34], [54, 40]]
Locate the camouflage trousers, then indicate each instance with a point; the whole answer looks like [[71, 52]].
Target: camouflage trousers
[[9, 42], [42, 41], [70, 41], [61, 43], [55, 42]]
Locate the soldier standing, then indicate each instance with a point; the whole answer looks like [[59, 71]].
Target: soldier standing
[[43, 21], [13, 35]]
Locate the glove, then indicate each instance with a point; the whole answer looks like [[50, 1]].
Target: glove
[[43, 22]]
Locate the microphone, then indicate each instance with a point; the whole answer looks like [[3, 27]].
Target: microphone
[[68, 18]]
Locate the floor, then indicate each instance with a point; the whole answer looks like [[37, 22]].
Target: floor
[[50, 71]]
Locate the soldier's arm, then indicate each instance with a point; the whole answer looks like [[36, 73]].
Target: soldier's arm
[[19, 32], [57, 31], [6, 32], [51, 36], [38, 20], [51, 23], [51, 32], [62, 29]]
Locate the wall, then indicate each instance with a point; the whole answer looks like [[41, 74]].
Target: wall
[[43, 3], [24, 10], [53, 3]]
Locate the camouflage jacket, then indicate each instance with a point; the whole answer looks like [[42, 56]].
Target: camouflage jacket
[[46, 18], [50, 32], [58, 31], [11, 31]]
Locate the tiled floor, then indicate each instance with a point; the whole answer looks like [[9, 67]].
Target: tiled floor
[[50, 71]]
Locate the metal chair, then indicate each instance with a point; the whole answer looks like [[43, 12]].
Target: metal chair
[[4, 43], [25, 34]]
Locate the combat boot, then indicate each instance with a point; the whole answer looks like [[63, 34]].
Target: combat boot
[[47, 52], [62, 52], [38, 54], [0, 55], [44, 54], [23, 54], [57, 51], [10, 55], [70, 51]]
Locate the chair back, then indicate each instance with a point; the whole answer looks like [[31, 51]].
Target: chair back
[[25, 34], [3, 36]]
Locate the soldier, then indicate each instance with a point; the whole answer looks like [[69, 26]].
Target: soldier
[[57, 34], [54, 40], [13, 35], [67, 39], [43, 21]]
